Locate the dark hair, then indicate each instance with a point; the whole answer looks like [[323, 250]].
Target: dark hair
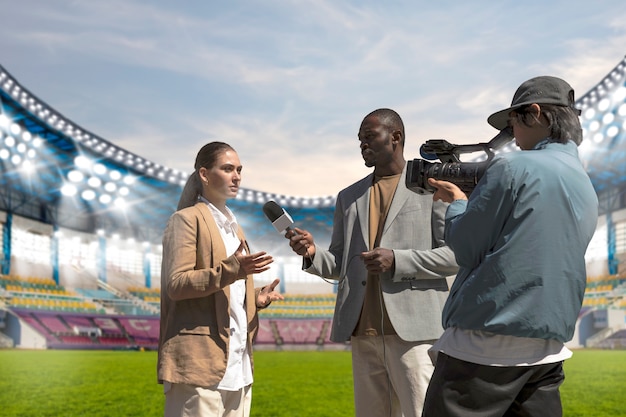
[[207, 157], [390, 119], [563, 122]]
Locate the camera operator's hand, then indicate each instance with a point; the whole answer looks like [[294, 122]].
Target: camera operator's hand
[[446, 191], [301, 241]]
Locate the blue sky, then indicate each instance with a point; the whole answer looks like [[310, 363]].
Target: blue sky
[[287, 83]]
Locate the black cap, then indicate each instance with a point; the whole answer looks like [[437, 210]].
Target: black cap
[[540, 90]]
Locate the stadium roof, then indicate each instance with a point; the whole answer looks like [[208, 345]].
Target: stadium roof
[[603, 150], [54, 171]]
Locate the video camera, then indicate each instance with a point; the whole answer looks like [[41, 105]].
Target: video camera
[[464, 174]]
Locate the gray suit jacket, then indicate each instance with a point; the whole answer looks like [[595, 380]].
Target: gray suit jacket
[[416, 291]]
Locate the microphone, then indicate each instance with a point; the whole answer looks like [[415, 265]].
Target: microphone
[[278, 216]]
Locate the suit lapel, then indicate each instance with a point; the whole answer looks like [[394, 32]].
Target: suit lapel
[[250, 291], [399, 198], [363, 207], [218, 250]]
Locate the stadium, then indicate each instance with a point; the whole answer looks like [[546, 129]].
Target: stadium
[[82, 221]]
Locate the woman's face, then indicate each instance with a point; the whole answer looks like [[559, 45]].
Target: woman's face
[[221, 182]]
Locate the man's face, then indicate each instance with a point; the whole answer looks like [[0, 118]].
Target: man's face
[[376, 143]]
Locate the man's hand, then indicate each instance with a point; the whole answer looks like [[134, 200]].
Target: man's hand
[[379, 260], [301, 242]]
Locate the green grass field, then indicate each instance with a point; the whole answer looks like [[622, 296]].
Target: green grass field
[[287, 383]]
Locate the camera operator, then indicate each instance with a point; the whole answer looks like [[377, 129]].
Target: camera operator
[[520, 241]]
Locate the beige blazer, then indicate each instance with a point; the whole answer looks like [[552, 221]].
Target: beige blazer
[[195, 295]]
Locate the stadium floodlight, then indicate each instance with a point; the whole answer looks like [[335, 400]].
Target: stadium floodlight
[[68, 190], [612, 131], [120, 203], [99, 169], [105, 199], [75, 176], [94, 182], [16, 129], [88, 195], [604, 104], [28, 167], [82, 162]]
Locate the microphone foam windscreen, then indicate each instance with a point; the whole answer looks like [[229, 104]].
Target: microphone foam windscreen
[[272, 210]]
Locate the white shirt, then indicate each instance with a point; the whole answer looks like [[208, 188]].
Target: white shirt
[[239, 368], [491, 349]]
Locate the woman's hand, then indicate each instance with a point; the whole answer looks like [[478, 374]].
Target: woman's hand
[[254, 263], [267, 295]]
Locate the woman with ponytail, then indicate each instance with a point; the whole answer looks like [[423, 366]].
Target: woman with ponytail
[[208, 301]]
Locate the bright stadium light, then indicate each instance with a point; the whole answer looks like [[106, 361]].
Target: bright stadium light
[[88, 195], [28, 167], [82, 162], [16, 129], [608, 118], [612, 131], [68, 190], [110, 187], [120, 203], [94, 182], [99, 169], [75, 176], [105, 199]]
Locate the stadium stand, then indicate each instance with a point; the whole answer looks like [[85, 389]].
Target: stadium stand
[[78, 271]]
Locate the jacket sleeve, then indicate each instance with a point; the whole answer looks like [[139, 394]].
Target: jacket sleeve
[[473, 227], [327, 262], [187, 253], [434, 263]]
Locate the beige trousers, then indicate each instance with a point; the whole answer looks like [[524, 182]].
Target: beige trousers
[[391, 376], [183, 400]]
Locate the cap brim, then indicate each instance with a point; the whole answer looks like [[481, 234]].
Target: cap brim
[[500, 119]]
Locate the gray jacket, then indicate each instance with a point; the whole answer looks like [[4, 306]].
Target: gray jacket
[[416, 292]]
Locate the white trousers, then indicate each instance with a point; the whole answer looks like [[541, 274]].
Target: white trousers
[[183, 400], [391, 376]]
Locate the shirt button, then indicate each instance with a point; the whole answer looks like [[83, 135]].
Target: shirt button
[[363, 283]]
